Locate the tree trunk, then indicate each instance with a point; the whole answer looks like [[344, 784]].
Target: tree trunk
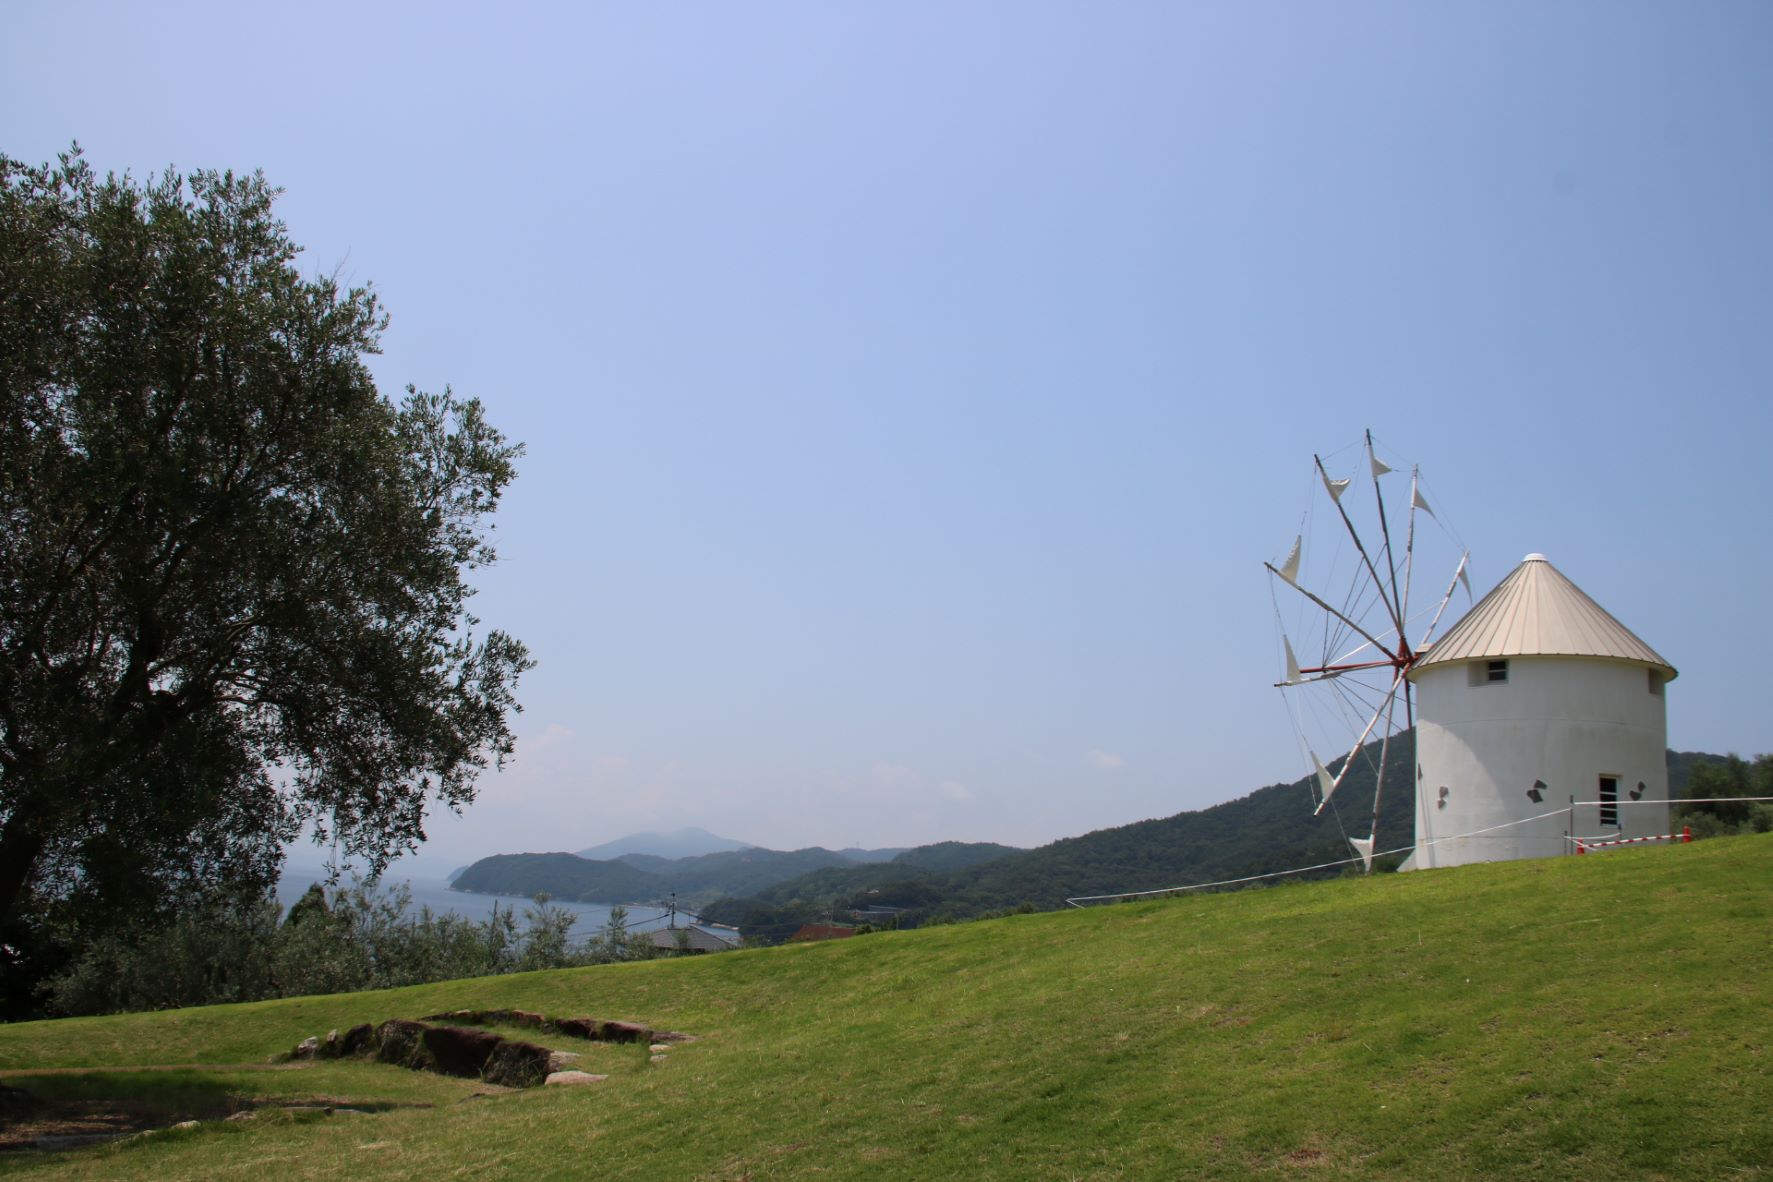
[[20, 848]]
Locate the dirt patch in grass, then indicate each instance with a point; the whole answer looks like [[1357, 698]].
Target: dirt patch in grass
[[74, 1110], [29, 1122]]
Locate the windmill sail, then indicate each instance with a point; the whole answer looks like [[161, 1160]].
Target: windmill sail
[[1325, 781], [1354, 617], [1364, 847], [1289, 570]]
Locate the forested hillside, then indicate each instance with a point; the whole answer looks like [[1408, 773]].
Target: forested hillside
[[1270, 829], [561, 875], [696, 880]]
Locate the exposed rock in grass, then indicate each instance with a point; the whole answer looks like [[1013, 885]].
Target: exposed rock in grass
[[624, 1032], [517, 1064], [358, 1040], [567, 1079], [402, 1043], [591, 1029], [456, 1050]]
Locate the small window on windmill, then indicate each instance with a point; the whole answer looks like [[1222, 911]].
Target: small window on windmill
[[1655, 681], [1489, 672], [1610, 800]]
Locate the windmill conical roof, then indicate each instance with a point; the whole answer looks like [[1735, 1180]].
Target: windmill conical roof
[[1538, 612]]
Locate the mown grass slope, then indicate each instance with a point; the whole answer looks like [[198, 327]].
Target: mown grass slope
[[1593, 1017]]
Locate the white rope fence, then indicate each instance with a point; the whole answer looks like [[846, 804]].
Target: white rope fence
[[1590, 843]]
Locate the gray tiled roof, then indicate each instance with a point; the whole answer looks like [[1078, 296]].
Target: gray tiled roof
[[694, 939]]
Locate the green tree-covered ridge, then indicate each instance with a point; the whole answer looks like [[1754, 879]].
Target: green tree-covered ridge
[[695, 880]]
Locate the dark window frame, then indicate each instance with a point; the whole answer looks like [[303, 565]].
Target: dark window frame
[[1609, 797], [1489, 672]]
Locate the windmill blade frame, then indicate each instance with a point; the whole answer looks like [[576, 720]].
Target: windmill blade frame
[[1358, 628]]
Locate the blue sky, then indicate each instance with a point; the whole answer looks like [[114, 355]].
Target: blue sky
[[913, 392]]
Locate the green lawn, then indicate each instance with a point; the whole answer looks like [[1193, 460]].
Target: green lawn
[[1583, 1018]]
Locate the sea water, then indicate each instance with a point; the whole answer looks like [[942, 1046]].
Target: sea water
[[436, 894]]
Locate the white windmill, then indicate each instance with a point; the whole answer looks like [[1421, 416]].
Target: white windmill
[[1542, 718], [1351, 629]]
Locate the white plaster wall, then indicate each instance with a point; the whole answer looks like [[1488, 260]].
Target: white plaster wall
[[1566, 721]]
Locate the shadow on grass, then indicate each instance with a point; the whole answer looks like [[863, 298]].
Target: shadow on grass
[[74, 1109]]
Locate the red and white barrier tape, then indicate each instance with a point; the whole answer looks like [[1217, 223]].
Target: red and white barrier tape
[[1582, 847]]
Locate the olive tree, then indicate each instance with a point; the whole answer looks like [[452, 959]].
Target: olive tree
[[232, 596]]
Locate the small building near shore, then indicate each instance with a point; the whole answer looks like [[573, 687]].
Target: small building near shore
[[820, 931], [694, 938]]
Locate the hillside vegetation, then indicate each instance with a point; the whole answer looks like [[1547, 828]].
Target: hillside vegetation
[[1580, 1018], [1271, 829], [637, 877]]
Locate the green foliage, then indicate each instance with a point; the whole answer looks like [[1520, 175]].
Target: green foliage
[[224, 554], [560, 875], [706, 877], [211, 953], [953, 855], [354, 938], [1717, 784]]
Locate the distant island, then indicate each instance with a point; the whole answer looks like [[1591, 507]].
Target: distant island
[[695, 879]]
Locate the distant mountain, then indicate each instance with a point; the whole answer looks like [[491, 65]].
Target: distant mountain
[[953, 855], [882, 855], [651, 863], [688, 842], [637, 877]]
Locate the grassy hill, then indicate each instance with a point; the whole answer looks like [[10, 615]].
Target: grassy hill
[[1570, 1018]]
